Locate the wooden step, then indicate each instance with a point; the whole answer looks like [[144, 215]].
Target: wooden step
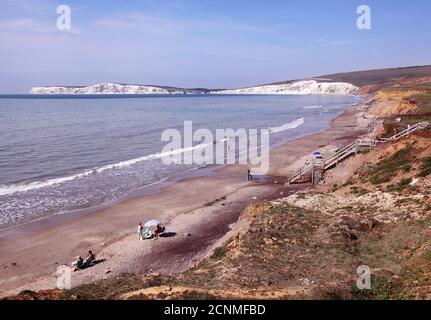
[[353, 148]]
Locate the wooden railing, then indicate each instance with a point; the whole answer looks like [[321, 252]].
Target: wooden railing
[[307, 172]]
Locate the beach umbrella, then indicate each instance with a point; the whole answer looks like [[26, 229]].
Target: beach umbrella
[[152, 223]]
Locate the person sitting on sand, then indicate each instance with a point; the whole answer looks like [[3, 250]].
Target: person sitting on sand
[[90, 259], [78, 263], [159, 230]]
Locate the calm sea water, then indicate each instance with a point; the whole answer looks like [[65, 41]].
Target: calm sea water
[[60, 154]]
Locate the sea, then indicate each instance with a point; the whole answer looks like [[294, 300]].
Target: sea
[[63, 154]]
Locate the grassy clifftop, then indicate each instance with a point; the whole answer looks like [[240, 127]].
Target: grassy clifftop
[[375, 77], [370, 77]]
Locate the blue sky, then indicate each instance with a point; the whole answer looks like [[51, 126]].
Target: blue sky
[[205, 43]]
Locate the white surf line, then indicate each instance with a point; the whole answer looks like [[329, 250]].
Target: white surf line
[[23, 187]]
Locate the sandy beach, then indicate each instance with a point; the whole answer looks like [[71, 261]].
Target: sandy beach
[[199, 212]]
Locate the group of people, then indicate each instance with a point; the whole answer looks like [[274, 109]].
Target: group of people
[[80, 263], [144, 234]]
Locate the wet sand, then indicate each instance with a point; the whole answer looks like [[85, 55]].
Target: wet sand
[[198, 211]]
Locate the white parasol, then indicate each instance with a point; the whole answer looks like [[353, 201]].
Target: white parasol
[[152, 223]]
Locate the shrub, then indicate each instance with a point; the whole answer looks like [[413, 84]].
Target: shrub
[[404, 183], [425, 168], [386, 169], [219, 253]]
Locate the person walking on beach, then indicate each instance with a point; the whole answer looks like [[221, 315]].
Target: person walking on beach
[[140, 230], [249, 176]]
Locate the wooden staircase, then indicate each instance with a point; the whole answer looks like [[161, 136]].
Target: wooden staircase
[[315, 170]]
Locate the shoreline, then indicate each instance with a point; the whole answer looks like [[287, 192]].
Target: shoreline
[[207, 207], [9, 230]]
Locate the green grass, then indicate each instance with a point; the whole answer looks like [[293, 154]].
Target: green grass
[[388, 168], [424, 102], [404, 183], [390, 125], [359, 191], [335, 187], [422, 113], [425, 168], [219, 253], [28, 293], [382, 288], [110, 288], [349, 182], [197, 295]]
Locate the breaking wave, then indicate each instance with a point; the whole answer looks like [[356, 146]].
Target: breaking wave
[[313, 107], [287, 126], [23, 187]]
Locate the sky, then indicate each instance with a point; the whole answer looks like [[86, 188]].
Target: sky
[[204, 43]]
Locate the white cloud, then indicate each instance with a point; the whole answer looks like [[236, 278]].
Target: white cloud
[[33, 26], [159, 25], [139, 23], [27, 25], [336, 43]]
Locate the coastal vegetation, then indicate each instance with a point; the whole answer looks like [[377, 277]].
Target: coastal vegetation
[[375, 211]]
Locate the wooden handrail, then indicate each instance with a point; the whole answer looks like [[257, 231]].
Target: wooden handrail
[[354, 147]]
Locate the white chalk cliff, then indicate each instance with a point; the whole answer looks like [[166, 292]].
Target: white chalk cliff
[[106, 88], [294, 87], [298, 87]]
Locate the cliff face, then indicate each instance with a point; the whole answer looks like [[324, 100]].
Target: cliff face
[[390, 103], [369, 81], [107, 88], [298, 87]]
